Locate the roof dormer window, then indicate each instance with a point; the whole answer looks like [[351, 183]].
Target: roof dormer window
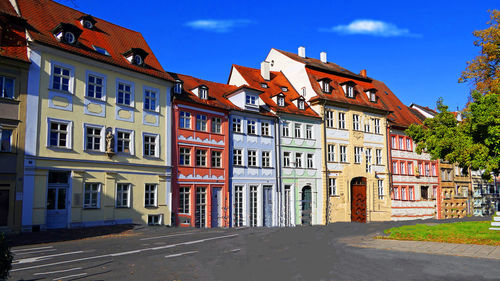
[[348, 88], [325, 85], [301, 105], [264, 85], [87, 21], [67, 33], [371, 94], [284, 89], [203, 93], [178, 86], [281, 101], [136, 56], [251, 100], [87, 24], [69, 37]]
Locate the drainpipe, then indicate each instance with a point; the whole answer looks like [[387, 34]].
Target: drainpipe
[[389, 163], [277, 154], [325, 159]]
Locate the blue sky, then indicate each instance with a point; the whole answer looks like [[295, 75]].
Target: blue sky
[[418, 48]]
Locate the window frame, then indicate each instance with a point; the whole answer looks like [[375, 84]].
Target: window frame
[[185, 118], [118, 197], [332, 187], [216, 125], [102, 137], [71, 77], [236, 124], [131, 141], [157, 145], [148, 198], [355, 122], [297, 130], [132, 92], [252, 127], [103, 86], [183, 155], [330, 152], [310, 161], [200, 157], [378, 156], [2, 130], [298, 159], [251, 100], [184, 200], [252, 160], [309, 132], [238, 157], [69, 133], [265, 128], [358, 154], [380, 188], [285, 132], [3, 78], [216, 158], [376, 124], [157, 99], [287, 159], [341, 120], [201, 123], [266, 159], [97, 192], [343, 154]]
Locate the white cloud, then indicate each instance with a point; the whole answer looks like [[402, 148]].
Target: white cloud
[[220, 26], [371, 27]]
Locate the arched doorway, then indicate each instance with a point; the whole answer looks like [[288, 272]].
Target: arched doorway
[[306, 205], [358, 199]]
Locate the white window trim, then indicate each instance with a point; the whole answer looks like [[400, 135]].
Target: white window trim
[[99, 189], [132, 140], [104, 83], [155, 204], [240, 123], [71, 83], [256, 126], [102, 144], [157, 145], [330, 187], [69, 136], [270, 159], [132, 92], [257, 164], [157, 91], [128, 195]]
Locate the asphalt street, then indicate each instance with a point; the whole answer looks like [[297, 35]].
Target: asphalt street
[[300, 253]]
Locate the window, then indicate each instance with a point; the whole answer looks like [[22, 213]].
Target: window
[[123, 195], [395, 167], [252, 158], [281, 101], [150, 195], [253, 205], [380, 189], [201, 122], [298, 130], [325, 85], [349, 91], [237, 125], [95, 86], [310, 161], [373, 97], [286, 129], [408, 144], [396, 193], [424, 192], [178, 87], [357, 154], [123, 142], [329, 119], [331, 152], [216, 159], [286, 159], [238, 209], [61, 78], [201, 158], [184, 156], [203, 93], [6, 140], [427, 170], [402, 168], [343, 153], [185, 120], [216, 125], [403, 193], [59, 134], [264, 129], [237, 157], [401, 143], [377, 125], [341, 120], [151, 145], [433, 170], [411, 193], [332, 187], [410, 168], [92, 194], [101, 50], [150, 100], [94, 138], [367, 127], [420, 168], [309, 133], [393, 142], [304, 91], [124, 96], [138, 60], [355, 122], [184, 196], [284, 89], [266, 159], [6, 87], [378, 156], [251, 100], [251, 127], [368, 154], [301, 105], [298, 160], [264, 85], [155, 219]]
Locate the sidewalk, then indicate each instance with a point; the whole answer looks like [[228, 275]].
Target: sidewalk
[[433, 248]]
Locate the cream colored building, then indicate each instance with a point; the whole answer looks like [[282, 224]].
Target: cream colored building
[[354, 134], [97, 127]]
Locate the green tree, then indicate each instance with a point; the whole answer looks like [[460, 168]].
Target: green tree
[[5, 258]]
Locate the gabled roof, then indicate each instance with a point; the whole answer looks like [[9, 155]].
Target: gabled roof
[[278, 80], [216, 92], [425, 108], [13, 37], [337, 94], [44, 15], [317, 64]]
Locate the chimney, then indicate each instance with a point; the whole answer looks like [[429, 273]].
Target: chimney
[[363, 72], [265, 70], [322, 55], [302, 52]]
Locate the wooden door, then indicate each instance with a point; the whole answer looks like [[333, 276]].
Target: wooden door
[[306, 205], [358, 200]]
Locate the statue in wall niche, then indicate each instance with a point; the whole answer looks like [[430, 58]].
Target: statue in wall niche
[[110, 141]]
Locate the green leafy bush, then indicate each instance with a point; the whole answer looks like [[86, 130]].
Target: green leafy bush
[[5, 258]]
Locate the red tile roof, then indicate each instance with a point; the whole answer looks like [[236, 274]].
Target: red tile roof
[[216, 92], [44, 15], [13, 37], [278, 80], [337, 93]]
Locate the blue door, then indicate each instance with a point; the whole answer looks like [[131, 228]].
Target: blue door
[[216, 203], [57, 200], [268, 205]]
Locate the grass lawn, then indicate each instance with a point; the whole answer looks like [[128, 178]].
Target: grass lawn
[[474, 232]]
